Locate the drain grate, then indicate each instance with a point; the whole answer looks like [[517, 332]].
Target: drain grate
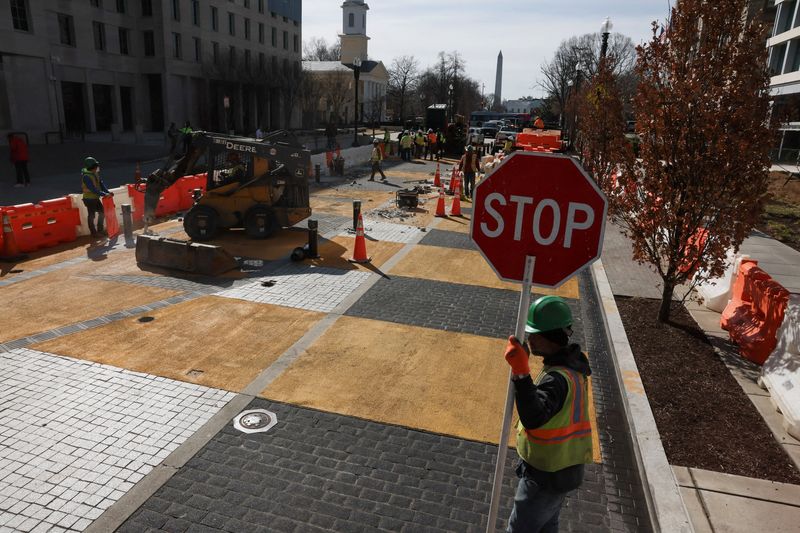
[[255, 421]]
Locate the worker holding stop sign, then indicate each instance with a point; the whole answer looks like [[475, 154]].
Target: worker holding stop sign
[[537, 220]]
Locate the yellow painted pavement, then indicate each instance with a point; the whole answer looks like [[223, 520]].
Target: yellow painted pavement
[[213, 341], [61, 298], [464, 266]]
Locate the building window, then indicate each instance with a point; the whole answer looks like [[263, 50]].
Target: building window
[[198, 51], [147, 8], [260, 6], [149, 42], [274, 15], [274, 37], [231, 24], [123, 41], [19, 15], [261, 32], [66, 29], [247, 29], [285, 40], [176, 9], [351, 20], [247, 59], [232, 56], [295, 43], [215, 52], [364, 21], [177, 51], [196, 12], [99, 35], [214, 19], [96, 3], [121, 6], [262, 61], [247, 4], [274, 62]]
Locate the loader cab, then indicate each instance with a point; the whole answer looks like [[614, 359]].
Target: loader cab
[[231, 166]]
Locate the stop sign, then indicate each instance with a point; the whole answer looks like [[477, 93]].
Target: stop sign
[[542, 205]]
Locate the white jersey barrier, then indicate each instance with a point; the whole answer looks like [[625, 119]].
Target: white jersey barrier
[[120, 197], [780, 374], [717, 291]]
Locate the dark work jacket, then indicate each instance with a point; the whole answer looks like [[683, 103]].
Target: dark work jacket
[[536, 404]]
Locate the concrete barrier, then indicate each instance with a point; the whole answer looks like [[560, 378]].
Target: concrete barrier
[[353, 157], [780, 374]]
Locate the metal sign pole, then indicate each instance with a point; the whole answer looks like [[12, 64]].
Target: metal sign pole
[[502, 449]]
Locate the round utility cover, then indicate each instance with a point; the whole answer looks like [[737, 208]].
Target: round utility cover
[[255, 421]]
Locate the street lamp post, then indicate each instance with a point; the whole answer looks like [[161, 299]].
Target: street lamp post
[[450, 98], [605, 29], [356, 73]]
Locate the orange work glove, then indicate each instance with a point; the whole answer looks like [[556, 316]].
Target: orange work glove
[[517, 357]]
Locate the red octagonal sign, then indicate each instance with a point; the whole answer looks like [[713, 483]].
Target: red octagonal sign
[[542, 205]]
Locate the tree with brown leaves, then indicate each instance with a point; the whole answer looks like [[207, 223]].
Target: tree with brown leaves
[[702, 111]]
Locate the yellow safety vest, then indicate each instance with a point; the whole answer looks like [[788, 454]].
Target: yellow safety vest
[[87, 193]]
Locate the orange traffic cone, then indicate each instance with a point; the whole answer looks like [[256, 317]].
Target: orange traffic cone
[[437, 179], [9, 250], [453, 174], [440, 206], [360, 253], [455, 207]]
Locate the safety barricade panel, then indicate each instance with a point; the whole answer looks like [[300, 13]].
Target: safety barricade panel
[[43, 225], [717, 291], [736, 304], [137, 203], [110, 212], [781, 371], [168, 202], [186, 187]]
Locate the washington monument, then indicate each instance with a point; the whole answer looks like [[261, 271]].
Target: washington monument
[[498, 81]]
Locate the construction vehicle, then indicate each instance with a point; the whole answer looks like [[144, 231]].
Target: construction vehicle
[[260, 185]]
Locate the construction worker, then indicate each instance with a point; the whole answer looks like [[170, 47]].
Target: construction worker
[[508, 146], [93, 189], [538, 123], [440, 140], [419, 141], [387, 137], [375, 158], [405, 145], [433, 149], [186, 136], [235, 171], [469, 165], [554, 436]]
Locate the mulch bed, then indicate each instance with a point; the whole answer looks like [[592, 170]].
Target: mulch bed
[[704, 417]]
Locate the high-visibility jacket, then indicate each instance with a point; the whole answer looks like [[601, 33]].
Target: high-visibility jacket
[[566, 439], [91, 185], [432, 138], [186, 130], [538, 123], [376, 155], [420, 140], [386, 136], [405, 141]]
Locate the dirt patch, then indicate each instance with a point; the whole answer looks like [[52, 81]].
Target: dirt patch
[[704, 417], [781, 217]]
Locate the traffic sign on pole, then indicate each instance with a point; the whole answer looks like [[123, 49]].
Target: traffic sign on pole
[[535, 209], [540, 205]]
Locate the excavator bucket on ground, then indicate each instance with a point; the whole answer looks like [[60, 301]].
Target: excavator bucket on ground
[[186, 256]]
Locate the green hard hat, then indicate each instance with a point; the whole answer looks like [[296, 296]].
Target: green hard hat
[[548, 313], [90, 162]]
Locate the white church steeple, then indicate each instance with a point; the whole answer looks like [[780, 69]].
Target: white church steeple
[[354, 30]]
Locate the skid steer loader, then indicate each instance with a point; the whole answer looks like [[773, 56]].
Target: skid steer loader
[[258, 185]]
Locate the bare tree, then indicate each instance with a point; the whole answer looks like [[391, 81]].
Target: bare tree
[[583, 52], [335, 90], [318, 49], [403, 77]]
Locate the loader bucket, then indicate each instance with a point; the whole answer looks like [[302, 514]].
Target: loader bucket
[[183, 255]]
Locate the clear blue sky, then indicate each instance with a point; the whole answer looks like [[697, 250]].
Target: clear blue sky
[[527, 31]]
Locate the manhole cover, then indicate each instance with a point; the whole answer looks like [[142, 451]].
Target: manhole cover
[[255, 421]]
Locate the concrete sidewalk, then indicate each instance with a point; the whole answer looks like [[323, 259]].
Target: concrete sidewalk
[[718, 501]]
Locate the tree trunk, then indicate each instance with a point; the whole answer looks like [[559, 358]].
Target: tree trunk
[[666, 301]]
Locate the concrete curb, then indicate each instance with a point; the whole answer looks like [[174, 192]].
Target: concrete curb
[[665, 505]]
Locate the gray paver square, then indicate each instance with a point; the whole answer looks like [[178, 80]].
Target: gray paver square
[[69, 431], [301, 286], [448, 239], [446, 306]]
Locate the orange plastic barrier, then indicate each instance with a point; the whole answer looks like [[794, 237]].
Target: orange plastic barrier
[[186, 187], [42, 225], [110, 212], [137, 201], [2, 233], [537, 141], [755, 312]]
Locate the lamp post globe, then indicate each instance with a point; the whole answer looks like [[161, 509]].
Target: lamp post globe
[[605, 29], [356, 73]]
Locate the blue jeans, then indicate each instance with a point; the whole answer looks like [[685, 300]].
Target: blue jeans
[[535, 510]]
